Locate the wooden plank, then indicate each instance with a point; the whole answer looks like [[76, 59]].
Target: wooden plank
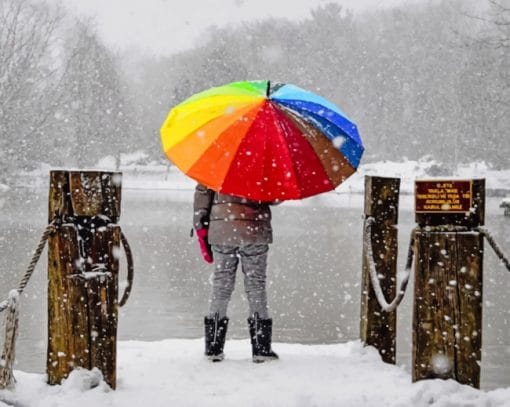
[[377, 327], [381, 199], [103, 303], [469, 319], [67, 307], [82, 303], [7, 380], [447, 308], [85, 193], [59, 204]]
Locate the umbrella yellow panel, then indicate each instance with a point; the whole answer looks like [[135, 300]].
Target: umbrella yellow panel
[[191, 148], [187, 119]]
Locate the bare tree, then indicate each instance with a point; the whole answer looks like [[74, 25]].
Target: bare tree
[[98, 119], [30, 73]]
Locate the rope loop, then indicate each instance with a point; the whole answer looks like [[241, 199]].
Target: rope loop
[[485, 232], [130, 270], [374, 278]]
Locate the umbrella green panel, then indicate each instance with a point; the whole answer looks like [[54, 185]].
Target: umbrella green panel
[[254, 88]]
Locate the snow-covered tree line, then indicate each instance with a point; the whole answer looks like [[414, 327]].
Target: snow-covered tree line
[[63, 99], [427, 78]]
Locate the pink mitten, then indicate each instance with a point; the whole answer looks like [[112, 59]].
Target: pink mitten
[[205, 247]]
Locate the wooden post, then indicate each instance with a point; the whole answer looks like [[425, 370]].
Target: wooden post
[[83, 273], [9, 349], [447, 316], [378, 328]]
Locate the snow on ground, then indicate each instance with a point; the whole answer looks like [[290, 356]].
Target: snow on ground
[[173, 372]]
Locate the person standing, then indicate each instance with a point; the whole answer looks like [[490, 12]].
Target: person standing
[[231, 229]]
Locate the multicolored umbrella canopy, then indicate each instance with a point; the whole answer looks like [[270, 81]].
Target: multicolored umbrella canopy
[[262, 141]]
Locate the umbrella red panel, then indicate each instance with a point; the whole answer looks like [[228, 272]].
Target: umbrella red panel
[[291, 168], [335, 164], [312, 177], [246, 175]]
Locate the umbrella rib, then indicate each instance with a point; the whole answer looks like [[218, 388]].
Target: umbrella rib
[[296, 177], [325, 156], [302, 128], [233, 118], [299, 110], [311, 121], [239, 146]]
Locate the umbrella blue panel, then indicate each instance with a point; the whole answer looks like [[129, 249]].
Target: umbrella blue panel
[[351, 150], [338, 120], [292, 92]]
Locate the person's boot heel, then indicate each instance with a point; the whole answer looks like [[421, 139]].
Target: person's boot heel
[[261, 331], [215, 334]]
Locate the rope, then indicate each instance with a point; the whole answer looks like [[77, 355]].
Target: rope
[[7, 379], [485, 232], [376, 284], [31, 267], [130, 270]]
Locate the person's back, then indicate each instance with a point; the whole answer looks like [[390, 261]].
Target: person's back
[[235, 228], [232, 220]]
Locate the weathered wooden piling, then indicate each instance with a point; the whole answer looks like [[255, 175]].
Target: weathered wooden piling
[[9, 349], [83, 273], [378, 328], [447, 317]]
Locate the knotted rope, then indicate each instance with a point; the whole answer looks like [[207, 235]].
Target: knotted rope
[[31, 267], [374, 279], [11, 321]]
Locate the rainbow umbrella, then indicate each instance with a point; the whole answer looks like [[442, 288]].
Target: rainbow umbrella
[[262, 141]]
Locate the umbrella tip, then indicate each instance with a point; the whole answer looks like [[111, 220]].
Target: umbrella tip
[[267, 89]]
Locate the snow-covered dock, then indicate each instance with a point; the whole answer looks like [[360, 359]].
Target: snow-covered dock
[[173, 372]]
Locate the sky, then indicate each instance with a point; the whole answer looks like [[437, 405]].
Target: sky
[[163, 27]]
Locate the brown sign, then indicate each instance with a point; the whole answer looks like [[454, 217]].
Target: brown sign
[[443, 196]]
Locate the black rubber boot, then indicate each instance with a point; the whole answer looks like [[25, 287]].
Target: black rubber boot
[[261, 331], [215, 333]]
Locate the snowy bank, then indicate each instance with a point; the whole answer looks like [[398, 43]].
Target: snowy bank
[[153, 176], [173, 372]]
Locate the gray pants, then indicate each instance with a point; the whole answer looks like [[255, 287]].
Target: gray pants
[[253, 263]]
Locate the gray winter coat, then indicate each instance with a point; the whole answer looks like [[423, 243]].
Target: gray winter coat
[[231, 220]]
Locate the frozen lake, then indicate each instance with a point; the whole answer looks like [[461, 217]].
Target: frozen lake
[[314, 275]]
